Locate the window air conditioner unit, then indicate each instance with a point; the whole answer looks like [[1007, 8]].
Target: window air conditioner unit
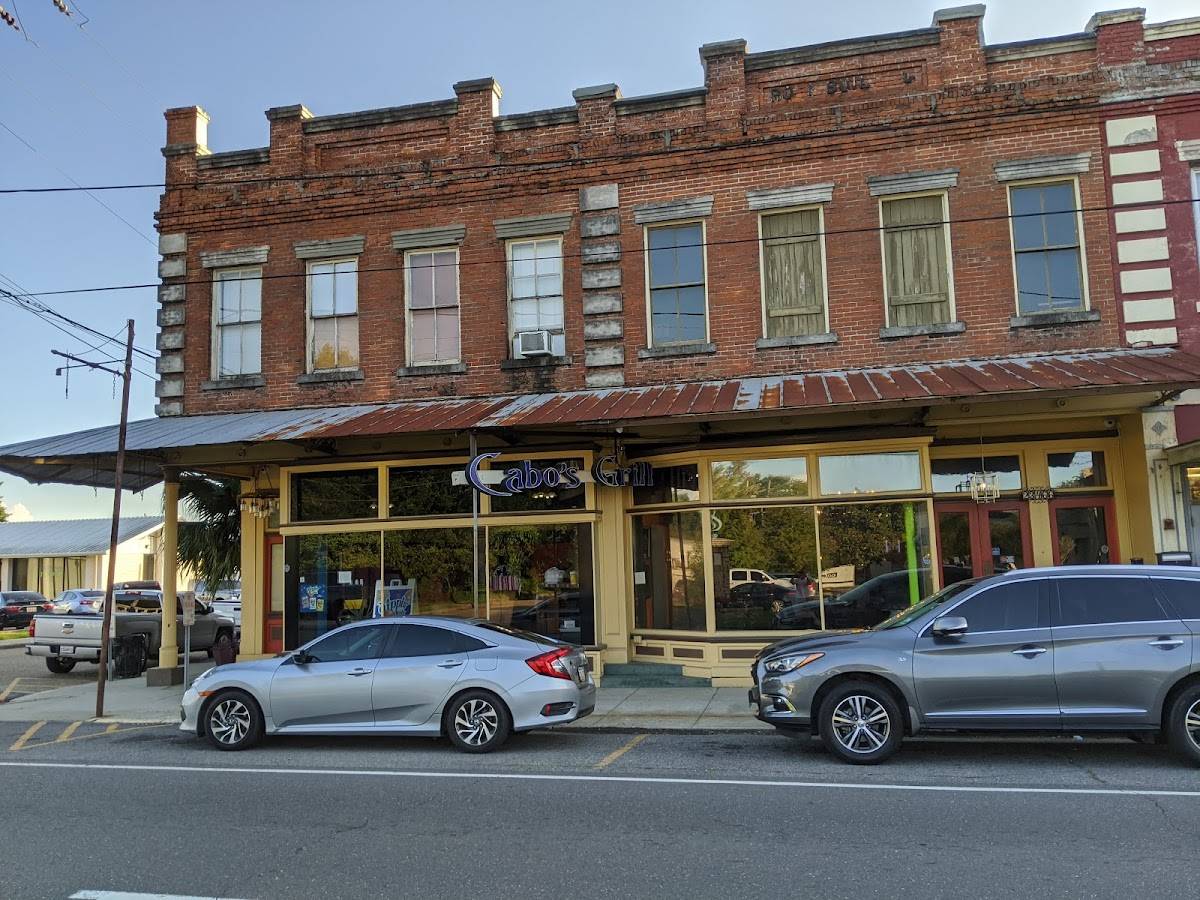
[[533, 343]]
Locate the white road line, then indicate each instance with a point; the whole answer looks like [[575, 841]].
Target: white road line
[[125, 895], [620, 779]]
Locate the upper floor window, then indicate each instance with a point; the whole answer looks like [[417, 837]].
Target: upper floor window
[[333, 314], [916, 260], [1046, 247], [431, 292], [535, 296], [678, 303], [793, 274], [237, 319]]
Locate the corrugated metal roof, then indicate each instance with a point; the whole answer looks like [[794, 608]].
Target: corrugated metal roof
[[82, 457], [68, 537]]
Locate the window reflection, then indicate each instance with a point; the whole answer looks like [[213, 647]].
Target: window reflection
[[668, 571], [331, 580], [764, 568], [435, 564], [540, 580], [328, 496], [870, 473], [427, 491], [953, 476], [746, 479], [672, 484], [1082, 468]]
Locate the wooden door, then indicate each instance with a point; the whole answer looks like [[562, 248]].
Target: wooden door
[[273, 588]]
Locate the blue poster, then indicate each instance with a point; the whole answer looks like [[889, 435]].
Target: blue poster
[[313, 597]]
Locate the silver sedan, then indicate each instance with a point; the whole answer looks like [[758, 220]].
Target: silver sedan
[[474, 682]]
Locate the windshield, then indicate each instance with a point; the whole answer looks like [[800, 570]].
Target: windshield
[[949, 592]]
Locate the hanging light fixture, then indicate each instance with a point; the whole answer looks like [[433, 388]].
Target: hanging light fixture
[[985, 485], [262, 504]]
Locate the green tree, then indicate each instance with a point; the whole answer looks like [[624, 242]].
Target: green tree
[[210, 542], [3, 511]]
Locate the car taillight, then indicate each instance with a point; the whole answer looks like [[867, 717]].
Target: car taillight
[[11, 609], [551, 663], [32, 622]]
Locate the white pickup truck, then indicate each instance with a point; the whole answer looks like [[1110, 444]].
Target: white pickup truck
[[65, 640]]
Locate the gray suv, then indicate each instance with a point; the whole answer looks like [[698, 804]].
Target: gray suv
[[1075, 649]]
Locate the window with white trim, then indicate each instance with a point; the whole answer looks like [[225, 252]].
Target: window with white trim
[[431, 297], [676, 280], [535, 291], [1047, 255], [793, 274], [237, 322], [333, 314], [916, 260]]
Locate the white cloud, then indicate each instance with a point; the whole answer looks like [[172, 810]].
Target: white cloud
[[20, 513]]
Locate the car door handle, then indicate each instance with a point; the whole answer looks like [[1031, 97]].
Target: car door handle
[[450, 663], [357, 672], [1167, 643], [1029, 652]]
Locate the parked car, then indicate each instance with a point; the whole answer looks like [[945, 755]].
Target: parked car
[[754, 576], [475, 682], [137, 586], [64, 640], [230, 608], [753, 605], [79, 602], [18, 607], [863, 606], [1075, 649]]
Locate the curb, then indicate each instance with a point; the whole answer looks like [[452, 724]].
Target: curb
[[13, 644], [652, 729]]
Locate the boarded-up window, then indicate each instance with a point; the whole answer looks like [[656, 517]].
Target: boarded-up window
[[793, 274], [918, 274]]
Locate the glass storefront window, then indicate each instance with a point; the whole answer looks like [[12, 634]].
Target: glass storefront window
[[329, 496], [870, 473], [1082, 468], [672, 484], [1082, 535], [875, 560], [436, 564], [668, 571], [546, 485], [753, 479], [331, 580], [540, 580], [427, 491], [764, 568], [953, 476], [956, 542]]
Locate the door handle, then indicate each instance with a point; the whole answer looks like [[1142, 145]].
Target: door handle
[[1167, 643], [357, 672], [450, 663], [1029, 652]]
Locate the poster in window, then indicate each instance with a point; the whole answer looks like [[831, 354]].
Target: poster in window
[[395, 599], [312, 598]]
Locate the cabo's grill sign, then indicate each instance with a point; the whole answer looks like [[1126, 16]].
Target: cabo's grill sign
[[527, 476]]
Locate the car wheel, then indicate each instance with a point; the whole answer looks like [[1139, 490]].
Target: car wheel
[[59, 666], [232, 721], [477, 722], [861, 723], [1183, 726]]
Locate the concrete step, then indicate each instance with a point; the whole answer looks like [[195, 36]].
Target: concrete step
[[644, 681], [642, 669]]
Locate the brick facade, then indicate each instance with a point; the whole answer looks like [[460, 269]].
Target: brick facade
[[925, 100]]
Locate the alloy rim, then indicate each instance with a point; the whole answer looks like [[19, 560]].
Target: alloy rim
[[229, 721], [476, 722], [1191, 724], [861, 724]]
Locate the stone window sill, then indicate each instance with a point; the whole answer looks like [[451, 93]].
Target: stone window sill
[[234, 383], [799, 340], [938, 328], [443, 369], [1043, 320], [332, 376], [677, 350], [535, 362]]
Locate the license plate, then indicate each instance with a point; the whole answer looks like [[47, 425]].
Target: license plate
[[31, 609], [66, 649]]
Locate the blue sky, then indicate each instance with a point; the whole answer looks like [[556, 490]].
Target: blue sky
[[89, 101]]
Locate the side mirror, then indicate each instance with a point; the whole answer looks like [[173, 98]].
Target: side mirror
[[949, 626], [301, 658]]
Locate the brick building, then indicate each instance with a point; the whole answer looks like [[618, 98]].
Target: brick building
[[667, 375]]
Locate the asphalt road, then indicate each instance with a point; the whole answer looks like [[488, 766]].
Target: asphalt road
[[575, 814], [21, 674]]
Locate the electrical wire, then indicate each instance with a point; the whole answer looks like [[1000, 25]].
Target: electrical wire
[[640, 249], [41, 310]]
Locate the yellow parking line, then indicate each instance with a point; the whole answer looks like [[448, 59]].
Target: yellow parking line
[[8, 690], [621, 751], [67, 732], [29, 732]]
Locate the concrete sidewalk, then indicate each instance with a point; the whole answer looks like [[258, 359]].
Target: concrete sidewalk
[[129, 701]]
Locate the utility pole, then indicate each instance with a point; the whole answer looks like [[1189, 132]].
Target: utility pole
[[126, 377]]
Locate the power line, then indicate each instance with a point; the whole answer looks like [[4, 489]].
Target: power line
[[643, 248], [25, 301]]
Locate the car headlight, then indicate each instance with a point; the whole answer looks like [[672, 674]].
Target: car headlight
[[205, 674], [781, 664]]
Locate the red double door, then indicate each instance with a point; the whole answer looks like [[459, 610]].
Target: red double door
[[980, 539]]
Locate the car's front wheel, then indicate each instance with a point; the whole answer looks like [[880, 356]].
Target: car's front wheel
[[477, 722], [1183, 723], [58, 665], [861, 723], [233, 721]]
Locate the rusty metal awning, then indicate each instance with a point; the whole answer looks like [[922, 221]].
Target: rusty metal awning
[[85, 457]]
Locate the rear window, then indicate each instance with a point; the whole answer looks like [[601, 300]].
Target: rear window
[[23, 597], [90, 593], [1102, 601], [516, 632], [1183, 596]]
